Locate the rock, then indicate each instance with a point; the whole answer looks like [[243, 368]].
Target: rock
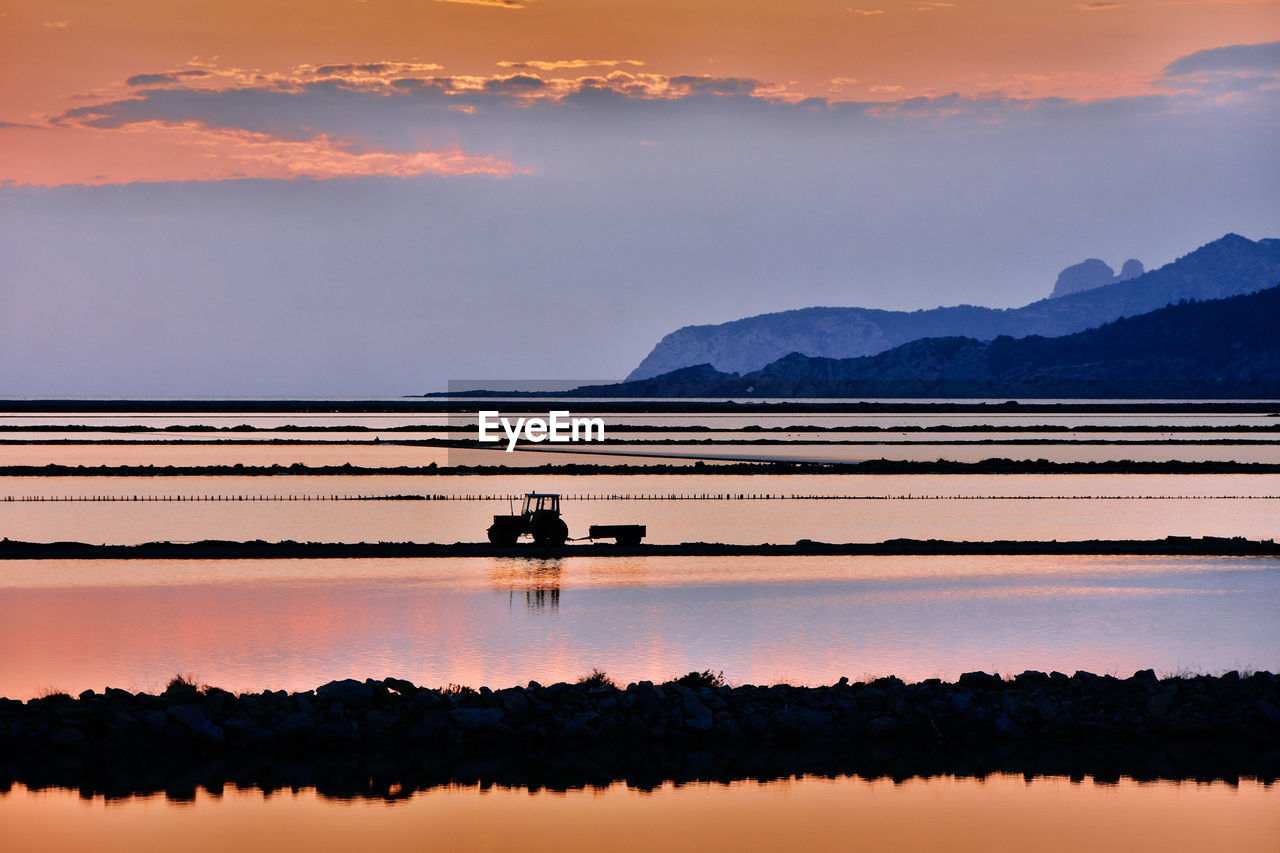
[[514, 702], [980, 679], [153, 720], [1132, 268], [381, 720], [401, 686], [194, 721], [355, 694], [295, 724], [1145, 677], [697, 716], [1085, 275], [882, 727], [784, 721], [1046, 709], [67, 737], [1007, 728], [476, 719]]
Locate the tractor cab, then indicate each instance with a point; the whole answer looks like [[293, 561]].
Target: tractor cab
[[539, 518], [541, 502]]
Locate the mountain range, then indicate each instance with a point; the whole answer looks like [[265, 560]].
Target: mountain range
[[1228, 348], [1086, 295]]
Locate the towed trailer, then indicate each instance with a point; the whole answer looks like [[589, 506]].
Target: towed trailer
[[623, 534]]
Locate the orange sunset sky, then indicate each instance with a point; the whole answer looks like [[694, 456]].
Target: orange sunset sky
[[373, 197], [64, 55]]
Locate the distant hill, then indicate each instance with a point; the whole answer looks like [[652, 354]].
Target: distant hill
[[1225, 267], [1228, 348]]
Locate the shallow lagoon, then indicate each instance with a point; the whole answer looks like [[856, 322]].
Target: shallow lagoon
[[295, 624]]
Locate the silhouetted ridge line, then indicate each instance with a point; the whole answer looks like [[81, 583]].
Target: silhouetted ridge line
[[1229, 266], [1226, 348]]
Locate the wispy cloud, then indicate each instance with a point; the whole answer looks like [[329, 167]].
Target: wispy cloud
[[1263, 57], [1097, 7], [325, 157], [557, 64], [501, 4], [864, 11], [57, 25], [167, 77], [933, 7]]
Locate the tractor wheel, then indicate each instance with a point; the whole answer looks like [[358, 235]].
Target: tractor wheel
[[550, 531], [502, 536]]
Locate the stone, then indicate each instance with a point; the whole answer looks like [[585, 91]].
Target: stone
[[296, 724], [1046, 709], [514, 702], [697, 716], [980, 679], [355, 694], [67, 737], [476, 719], [194, 721]]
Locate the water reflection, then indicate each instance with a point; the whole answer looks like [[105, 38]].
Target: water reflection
[[812, 812], [537, 579], [295, 624]]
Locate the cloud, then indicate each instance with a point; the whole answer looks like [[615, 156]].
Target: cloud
[[1097, 7], [325, 157], [367, 70], [707, 85], [57, 25], [167, 77], [933, 7], [556, 64], [565, 125], [1231, 72], [1264, 58], [502, 4], [517, 84], [865, 11]]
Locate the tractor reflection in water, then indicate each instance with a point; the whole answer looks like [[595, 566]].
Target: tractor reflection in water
[[540, 519]]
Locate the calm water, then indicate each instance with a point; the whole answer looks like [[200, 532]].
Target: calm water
[[295, 624], [812, 814], [873, 508], [67, 625], [392, 455]]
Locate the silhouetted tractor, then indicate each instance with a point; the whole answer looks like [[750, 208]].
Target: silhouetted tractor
[[540, 519]]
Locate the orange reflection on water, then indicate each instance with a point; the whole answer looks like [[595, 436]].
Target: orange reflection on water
[[294, 624], [811, 814]]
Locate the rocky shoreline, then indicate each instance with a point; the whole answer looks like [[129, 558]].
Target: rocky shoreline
[[214, 549], [594, 732]]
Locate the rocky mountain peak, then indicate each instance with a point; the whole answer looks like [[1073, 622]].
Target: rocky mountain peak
[[1093, 273]]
